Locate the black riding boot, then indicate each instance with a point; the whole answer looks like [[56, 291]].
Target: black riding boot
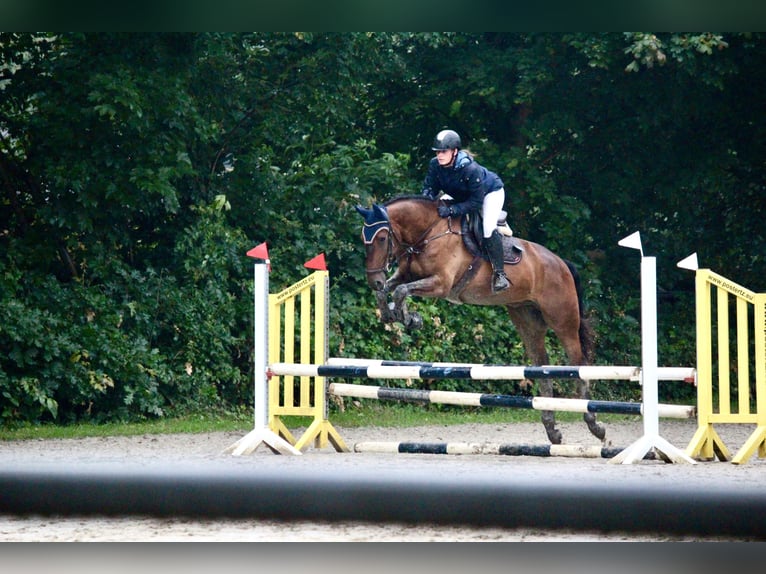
[[493, 245]]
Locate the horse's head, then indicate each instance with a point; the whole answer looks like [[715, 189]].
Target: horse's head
[[376, 233]]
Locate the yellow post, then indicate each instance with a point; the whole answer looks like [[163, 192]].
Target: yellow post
[[757, 440], [312, 334], [724, 380], [743, 357], [706, 443]]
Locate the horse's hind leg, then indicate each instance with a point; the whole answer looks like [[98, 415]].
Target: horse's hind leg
[[532, 329], [573, 349], [549, 417], [595, 428]]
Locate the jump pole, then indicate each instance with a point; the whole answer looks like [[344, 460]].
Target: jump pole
[[651, 440], [382, 369], [261, 433], [507, 401], [508, 449]]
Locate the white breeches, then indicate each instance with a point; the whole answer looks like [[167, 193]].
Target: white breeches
[[491, 210]]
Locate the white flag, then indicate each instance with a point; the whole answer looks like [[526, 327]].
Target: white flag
[[633, 241], [689, 263]]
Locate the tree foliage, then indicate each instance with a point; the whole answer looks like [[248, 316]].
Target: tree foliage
[[137, 169]]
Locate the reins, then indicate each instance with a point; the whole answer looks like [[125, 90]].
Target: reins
[[410, 249]]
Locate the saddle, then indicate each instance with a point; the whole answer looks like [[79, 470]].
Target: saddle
[[471, 229]]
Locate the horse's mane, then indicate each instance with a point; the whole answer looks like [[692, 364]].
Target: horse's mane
[[420, 198]]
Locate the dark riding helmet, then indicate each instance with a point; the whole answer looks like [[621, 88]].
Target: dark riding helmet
[[446, 139]]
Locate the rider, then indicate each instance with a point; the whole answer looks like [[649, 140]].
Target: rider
[[474, 189]]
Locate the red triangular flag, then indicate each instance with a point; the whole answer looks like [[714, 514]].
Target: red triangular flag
[[317, 263], [259, 252]]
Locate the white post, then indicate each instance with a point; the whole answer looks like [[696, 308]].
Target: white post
[[649, 345], [261, 433], [651, 440], [261, 342]]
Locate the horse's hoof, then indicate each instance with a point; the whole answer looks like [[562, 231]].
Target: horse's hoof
[[599, 432], [596, 429], [554, 436], [388, 313], [415, 322]]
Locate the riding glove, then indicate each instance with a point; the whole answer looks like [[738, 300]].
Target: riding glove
[[445, 211]]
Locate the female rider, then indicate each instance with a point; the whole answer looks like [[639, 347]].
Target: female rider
[[474, 189]]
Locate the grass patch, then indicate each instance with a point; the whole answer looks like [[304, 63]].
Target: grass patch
[[197, 423], [377, 413], [356, 414]]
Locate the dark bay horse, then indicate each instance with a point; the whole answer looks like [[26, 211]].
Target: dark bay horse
[[432, 260]]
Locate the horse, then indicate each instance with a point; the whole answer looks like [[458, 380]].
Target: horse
[[436, 257]]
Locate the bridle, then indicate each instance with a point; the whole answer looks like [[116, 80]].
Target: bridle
[[410, 249]]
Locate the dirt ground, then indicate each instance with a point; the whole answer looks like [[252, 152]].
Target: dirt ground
[[208, 450]]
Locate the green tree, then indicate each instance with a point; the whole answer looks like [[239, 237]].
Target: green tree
[[137, 170]]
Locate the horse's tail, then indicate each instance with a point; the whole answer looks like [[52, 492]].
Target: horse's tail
[[586, 330]]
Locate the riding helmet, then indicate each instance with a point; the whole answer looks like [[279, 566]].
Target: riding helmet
[[446, 139]]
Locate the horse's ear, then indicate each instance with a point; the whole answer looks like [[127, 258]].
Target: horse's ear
[[374, 215], [380, 212]]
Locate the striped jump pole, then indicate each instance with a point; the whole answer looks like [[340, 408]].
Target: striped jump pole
[[403, 370], [507, 449], [592, 372], [508, 401]]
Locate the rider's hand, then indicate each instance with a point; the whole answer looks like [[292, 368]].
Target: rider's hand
[[445, 211]]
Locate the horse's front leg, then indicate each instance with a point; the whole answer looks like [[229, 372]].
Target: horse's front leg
[[393, 282], [426, 287], [387, 314], [411, 321], [389, 311]]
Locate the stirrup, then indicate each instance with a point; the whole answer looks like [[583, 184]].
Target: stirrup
[[502, 224], [505, 230], [500, 281]]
